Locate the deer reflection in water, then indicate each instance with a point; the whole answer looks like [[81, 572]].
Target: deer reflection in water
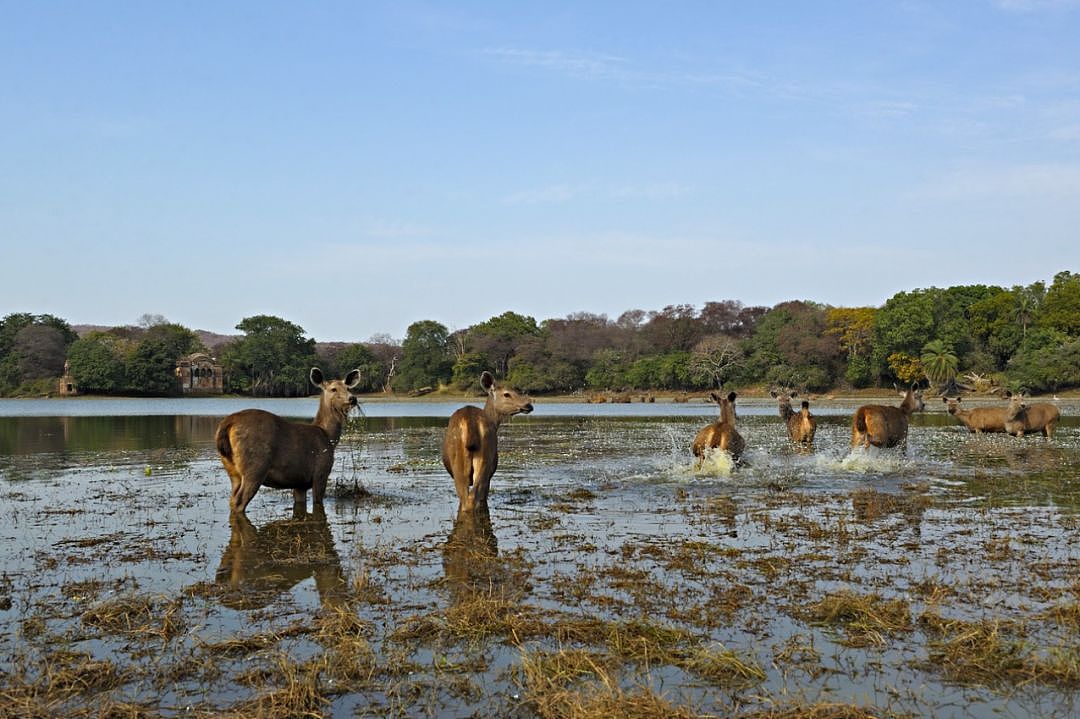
[[471, 558], [261, 563]]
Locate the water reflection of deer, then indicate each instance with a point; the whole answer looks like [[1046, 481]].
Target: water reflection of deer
[[471, 556], [261, 563]]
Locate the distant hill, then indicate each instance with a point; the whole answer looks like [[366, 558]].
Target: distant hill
[[212, 340]]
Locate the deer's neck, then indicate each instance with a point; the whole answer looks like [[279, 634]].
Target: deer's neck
[[330, 421], [491, 414]]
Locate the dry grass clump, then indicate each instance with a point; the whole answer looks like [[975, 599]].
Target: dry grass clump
[[573, 684], [300, 696], [137, 615], [721, 666], [980, 653], [243, 646], [475, 618], [1067, 615], [866, 619], [823, 710], [59, 677], [350, 658]]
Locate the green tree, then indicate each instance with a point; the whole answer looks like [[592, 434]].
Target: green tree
[[425, 358], [854, 329], [466, 371], [793, 336], [151, 363], [499, 337], [97, 363], [272, 359], [608, 371], [32, 347], [358, 356], [1060, 310], [1047, 360], [938, 361]]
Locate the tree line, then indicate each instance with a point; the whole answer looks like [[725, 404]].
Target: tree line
[[1023, 337]]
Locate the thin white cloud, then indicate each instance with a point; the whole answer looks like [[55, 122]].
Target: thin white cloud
[[1047, 181], [1035, 5], [576, 64], [565, 192]]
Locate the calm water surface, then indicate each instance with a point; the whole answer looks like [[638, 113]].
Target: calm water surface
[[591, 507]]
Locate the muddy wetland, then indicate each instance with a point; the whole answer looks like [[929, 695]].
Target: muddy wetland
[[610, 576]]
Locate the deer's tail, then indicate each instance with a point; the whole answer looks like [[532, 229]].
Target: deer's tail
[[860, 419], [224, 447]]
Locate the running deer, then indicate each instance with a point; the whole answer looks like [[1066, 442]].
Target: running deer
[[978, 419], [259, 448], [882, 425], [721, 433], [1022, 418], [470, 450], [801, 425]]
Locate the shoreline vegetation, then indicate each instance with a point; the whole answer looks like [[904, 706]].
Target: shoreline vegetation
[[974, 339]]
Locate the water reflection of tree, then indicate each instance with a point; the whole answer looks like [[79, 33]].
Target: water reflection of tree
[[262, 563]]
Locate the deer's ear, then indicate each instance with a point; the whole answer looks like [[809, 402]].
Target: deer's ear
[[773, 392], [794, 395], [731, 397], [352, 379], [715, 397], [487, 381], [316, 376]]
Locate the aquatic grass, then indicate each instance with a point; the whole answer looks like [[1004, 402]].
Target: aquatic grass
[[867, 619], [573, 684], [298, 695], [350, 659], [1067, 615], [720, 666], [982, 653], [137, 615]]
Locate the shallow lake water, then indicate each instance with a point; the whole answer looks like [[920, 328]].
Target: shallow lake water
[[941, 578]]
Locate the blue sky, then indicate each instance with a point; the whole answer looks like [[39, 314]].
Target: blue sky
[[354, 167]]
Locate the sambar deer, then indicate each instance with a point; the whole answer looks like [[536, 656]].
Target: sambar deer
[[1022, 418], [801, 425], [259, 448], [978, 419], [885, 426], [721, 433], [470, 450]]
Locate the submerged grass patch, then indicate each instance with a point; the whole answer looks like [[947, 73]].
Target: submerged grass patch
[[867, 619]]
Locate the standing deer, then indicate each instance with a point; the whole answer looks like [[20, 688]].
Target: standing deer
[[801, 425], [884, 426], [470, 450], [978, 419], [258, 447], [1021, 418], [722, 432]]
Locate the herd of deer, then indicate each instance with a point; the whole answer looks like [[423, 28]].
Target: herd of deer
[[259, 448]]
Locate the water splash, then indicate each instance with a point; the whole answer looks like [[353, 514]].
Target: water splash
[[716, 463], [864, 461]]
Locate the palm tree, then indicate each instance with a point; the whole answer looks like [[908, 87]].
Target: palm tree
[[939, 362]]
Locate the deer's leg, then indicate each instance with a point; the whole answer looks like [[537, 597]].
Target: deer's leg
[[482, 473], [248, 488], [462, 474], [299, 496]]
